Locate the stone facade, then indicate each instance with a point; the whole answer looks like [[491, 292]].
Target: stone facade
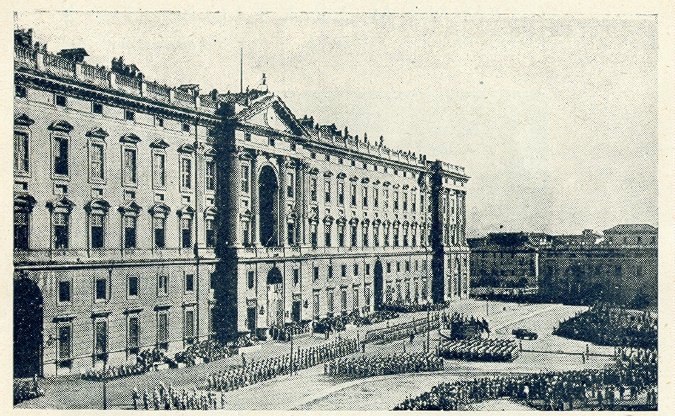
[[149, 216]]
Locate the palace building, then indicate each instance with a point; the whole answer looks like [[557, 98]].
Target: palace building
[[147, 216]]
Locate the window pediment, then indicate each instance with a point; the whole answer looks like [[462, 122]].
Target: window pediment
[[354, 179], [328, 174], [159, 144], [314, 171], [130, 138], [97, 204], [23, 120], [185, 210], [61, 125], [210, 211], [61, 203], [97, 132], [210, 151], [186, 148], [160, 209], [328, 220], [341, 175], [130, 208], [354, 221], [365, 180], [24, 202]]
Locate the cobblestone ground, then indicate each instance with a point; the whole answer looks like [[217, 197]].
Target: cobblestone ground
[[310, 389]]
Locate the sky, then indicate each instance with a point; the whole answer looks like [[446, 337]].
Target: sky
[[554, 117]]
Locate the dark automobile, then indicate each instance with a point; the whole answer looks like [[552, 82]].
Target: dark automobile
[[524, 334]]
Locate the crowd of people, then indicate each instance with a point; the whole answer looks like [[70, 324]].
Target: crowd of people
[[253, 372], [404, 329], [163, 398], [208, 350], [478, 349], [461, 326], [144, 362], [377, 365], [630, 384], [606, 325], [339, 323], [286, 331], [401, 307]]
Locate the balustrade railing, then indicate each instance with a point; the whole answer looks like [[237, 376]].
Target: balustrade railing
[[59, 66], [25, 55]]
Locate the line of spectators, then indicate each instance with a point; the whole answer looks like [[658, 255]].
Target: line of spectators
[[620, 387], [376, 365], [605, 325], [477, 349], [163, 398]]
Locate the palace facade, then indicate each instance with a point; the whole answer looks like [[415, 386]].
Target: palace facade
[[149, 216]]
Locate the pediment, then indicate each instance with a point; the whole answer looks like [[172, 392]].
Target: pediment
[[272, 114]]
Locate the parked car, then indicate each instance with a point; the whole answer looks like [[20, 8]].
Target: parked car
[[522, 333]]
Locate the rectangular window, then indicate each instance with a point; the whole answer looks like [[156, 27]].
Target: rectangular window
[[96, 230], [186, 232], [289, 185], [290, 235], [186, 173], [245, 178], [65, 336], [344, 270], [356, 269], [134, 335], [365, 196], [210, 233], [316, 273], [210, 175], [159, 170], [160, 122], [21, 230], [129, 232], [251, 279], [101, 289], [158, 225], [405, 202], [388, 267], [64, 291], [133, 286], [101, 347], [162, 285], [343, 300], [341, 193], [129, 166], [61, 156], [296, 276], [367, 269], [326, 189], [97, 108], [355, 299], [395, 199], [61, 230], [189, 326], [331, 302], [247, 137], [328, 242], [407, 266], [189, 282], [341, 235], [60, 100], [129, 115], [186, 127], [97, 161], [376, 197], [354, 235], [21, 152], [330, 272], [398, 266], [353, 194], [312, 188], [163, 330], [365, 236], [413, 203], [386, 199]]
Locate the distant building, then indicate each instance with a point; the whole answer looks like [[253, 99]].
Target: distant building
[[585, 275], [631, 235], [586, 238], [506, 259]]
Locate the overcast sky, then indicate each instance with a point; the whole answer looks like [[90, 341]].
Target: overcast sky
[[554, 117]]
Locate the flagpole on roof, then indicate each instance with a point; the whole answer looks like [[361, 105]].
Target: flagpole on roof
[[241, 70]]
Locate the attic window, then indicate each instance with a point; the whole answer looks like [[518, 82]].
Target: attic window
[[271, 141], [60, 100], [293, 146], [247, 137], [186, 127], [97, 108], [327, 158], [160, 122], [129, 115], [353, 162], [312, 155]]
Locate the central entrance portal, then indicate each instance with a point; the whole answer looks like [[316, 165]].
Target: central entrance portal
[[275, 300], [269, 207]]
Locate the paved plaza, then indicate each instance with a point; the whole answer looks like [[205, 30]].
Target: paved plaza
[[311, 389]]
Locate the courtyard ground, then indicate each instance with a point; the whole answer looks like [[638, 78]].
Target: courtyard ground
[[310, 389]]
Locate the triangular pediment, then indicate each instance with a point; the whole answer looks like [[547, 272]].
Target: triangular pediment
[[272, 113]]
